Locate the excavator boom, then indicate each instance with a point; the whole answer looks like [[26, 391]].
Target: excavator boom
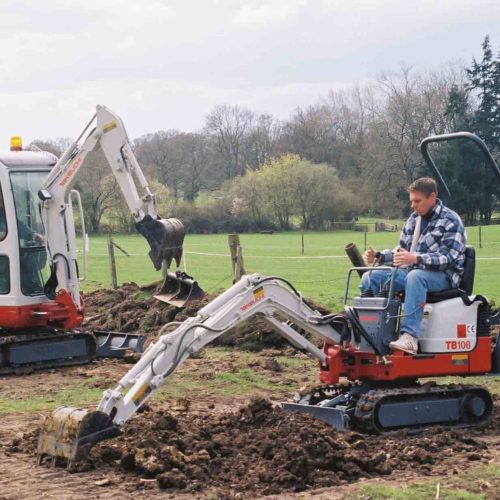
[[165, 236], [66, 433], [40, 310]]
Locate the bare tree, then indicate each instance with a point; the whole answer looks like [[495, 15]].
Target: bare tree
[[310, 134], [193, 154], [56, 146], [98, 192], [229, 126], [261, 141], [162, 158]]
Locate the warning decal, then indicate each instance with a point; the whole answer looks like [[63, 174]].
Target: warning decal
[[459, 359], [466, 330]]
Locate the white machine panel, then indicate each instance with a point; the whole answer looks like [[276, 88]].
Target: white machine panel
[[449, 326]]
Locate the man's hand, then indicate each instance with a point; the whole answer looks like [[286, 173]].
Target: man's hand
[[39, 239], [369, 255], [404, 258]]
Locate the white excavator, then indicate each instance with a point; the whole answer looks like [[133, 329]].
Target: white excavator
[[380, 390], [41, 308]]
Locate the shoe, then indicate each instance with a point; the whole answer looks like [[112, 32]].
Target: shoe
[[406, 343]]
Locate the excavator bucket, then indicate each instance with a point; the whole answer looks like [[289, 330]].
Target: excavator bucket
[[165, 237], [117, 344], [179, 289], [69, 434]]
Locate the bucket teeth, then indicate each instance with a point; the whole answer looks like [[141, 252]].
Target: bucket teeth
[[68, 434], [178, 289]]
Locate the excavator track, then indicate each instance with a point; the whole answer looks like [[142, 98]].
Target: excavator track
[[27, 352], [382, 410]]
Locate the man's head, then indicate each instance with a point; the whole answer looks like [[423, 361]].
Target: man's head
[[423, 195]]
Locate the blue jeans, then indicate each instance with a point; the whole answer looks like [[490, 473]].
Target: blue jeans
[[416, 283]]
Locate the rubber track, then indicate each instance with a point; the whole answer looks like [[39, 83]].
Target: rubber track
[[10, 340], [369, 404]]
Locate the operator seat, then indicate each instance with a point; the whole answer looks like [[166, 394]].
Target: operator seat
[[466, 285]]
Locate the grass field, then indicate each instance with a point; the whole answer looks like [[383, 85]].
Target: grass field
[[319, 274]]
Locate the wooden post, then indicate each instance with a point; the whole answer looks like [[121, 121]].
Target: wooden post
[[302, 235], [240, 269], [365, 238], [236, 256], [480, 239], [234, 243], [112, 263]]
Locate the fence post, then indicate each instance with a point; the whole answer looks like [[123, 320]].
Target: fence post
[[112, 263], [240, 270], [480, 239], [234, 242], [236, 256], [365, 238], [302, 236]]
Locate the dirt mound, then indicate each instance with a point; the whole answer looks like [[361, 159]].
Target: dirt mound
[[129, 308], [133, 309], [266, 450]]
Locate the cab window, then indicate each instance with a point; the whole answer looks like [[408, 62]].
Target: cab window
[[4, 275], [3, 219], [32, 252]]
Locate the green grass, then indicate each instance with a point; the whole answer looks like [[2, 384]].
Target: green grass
[[319, 274], [479, 482], [417, 491], [242, 382], [80, 395], [245, 380]]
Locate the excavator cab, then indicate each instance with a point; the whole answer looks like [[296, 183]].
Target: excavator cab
[[23, 254], [30, 231]]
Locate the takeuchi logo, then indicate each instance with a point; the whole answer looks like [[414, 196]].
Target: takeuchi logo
[[258, 295], [72, 169]]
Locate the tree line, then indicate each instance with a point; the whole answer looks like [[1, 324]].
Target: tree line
[[353, 151]]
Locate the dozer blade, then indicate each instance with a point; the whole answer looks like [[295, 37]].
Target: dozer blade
[[117, 344], [165, 237], [178, 289], [69, 433], [336, 417]]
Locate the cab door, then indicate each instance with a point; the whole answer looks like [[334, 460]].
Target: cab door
[[4, 257]]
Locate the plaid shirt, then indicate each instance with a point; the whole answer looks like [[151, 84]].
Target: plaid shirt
[[441, 246]]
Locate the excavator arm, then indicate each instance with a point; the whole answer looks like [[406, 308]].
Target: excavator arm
[[106, 130], [253, 295], [69, 432]]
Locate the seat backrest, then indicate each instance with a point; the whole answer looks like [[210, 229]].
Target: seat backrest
[[467, 282]]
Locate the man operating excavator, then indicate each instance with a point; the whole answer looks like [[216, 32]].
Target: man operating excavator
[[31, 262], [430, 258]]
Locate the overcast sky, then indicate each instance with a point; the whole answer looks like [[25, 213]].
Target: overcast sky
[[163, 64]]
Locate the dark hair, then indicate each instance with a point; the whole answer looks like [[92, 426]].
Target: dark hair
[[425, 185]]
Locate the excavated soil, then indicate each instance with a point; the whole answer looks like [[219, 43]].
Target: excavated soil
[[133, 309], [214, 446], [262, 450]]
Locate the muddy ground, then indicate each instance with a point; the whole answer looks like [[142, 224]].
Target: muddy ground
[[213, 447], [132, 308], [265, 450], [209, 444]]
